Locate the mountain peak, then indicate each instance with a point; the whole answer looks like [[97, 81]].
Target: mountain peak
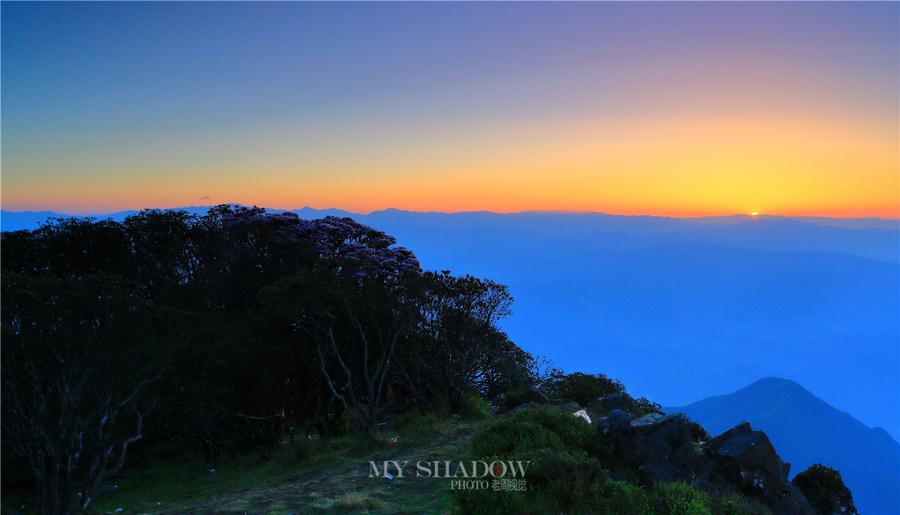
[[777, 382]]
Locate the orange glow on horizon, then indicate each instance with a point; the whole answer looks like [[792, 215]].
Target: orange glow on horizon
[[678, 166]]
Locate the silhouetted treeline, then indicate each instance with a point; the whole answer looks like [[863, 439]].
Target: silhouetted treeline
[[219, 333]]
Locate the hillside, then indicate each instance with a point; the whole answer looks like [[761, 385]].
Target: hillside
[[288, 351], [651, 463], [311, 476], [806, 430]]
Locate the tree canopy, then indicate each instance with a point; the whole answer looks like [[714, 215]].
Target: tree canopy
[[212, 332]]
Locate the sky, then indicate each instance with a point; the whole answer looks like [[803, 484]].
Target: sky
[[678, 109]]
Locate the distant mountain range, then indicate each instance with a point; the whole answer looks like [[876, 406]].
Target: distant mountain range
[[807, 430], [16, 220], [679, 308]]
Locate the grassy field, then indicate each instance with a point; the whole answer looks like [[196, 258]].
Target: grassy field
[[327, 476]]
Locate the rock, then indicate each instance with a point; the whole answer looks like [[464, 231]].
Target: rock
[[582, 414], [650, 419], [535, 396], [570, 407], [792, 502], [617, 420], [525, 406], [667, 448], [746, 459], [621, 401], [530, 397], [673, 448], [751, 449]]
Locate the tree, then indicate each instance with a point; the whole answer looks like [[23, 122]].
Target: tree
[[504, 367], [163, 249], [352, 309], [260, 317], [78, 354], [457, 349]]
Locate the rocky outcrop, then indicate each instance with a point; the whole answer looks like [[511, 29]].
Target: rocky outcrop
[[746, 459], [530, 398], [648, 448], [568, 407], [617, 420], [673, 448], [535, 396], [621, 401], [665, 446]]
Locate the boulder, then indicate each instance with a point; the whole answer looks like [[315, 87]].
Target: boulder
[[570, 407], [746, 459], [666, 447], [621, 401], [536, 396], [529, 398], [582, 414], [617, 420], [673, 448], [650, 419], [749, 448]]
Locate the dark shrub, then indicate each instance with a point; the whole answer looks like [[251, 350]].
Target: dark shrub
[[519, 396], [531, 430], [564, 476], [474, 406], [579, 387], [681, 499], [825, 490], [417, 423], [644, 406]]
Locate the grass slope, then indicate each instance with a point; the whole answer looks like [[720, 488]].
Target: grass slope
[[334, 478]]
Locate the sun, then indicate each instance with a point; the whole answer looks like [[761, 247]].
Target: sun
[[754, 214]]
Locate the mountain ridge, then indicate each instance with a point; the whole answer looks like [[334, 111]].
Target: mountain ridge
[[852, 222]]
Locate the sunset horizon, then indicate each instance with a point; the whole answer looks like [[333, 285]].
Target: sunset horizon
[[841, 215], [671, 110]]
